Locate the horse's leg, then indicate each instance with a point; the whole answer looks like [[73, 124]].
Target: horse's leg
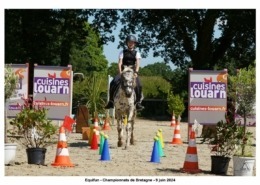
[[129, 127], [132, 133], [120, 131], [128, 133]]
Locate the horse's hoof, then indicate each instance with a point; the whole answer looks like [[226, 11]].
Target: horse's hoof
[[119, 144], [132, 142]]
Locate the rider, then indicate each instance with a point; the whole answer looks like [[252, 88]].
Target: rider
[[127, 57]]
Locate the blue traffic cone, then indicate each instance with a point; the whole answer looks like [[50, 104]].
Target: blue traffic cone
[[105, 153], [101, 143], [155, 158]]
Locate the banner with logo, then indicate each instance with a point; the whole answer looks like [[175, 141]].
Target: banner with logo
[[13, 104], [207, 96], [52, 89]]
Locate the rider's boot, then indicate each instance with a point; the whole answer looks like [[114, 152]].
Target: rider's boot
[[138, 92]]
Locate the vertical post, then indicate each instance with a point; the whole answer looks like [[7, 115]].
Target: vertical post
[[110, 112], [189, 125]]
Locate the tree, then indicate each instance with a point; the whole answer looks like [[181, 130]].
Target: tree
[[243, 93], [155, 87], [175, 104], [113, 69], [88, 57], [186, 37], [157, 69]]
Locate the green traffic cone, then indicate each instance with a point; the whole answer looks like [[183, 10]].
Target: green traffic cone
[[161, 152], [161, 137], [101, 143]]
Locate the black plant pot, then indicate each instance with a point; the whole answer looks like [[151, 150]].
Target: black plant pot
[[219, 165], [36, 155]]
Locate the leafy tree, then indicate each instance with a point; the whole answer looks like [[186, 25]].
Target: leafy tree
[[113, 69], [175, 104], [88, 57], [243, 93], [155, 87], [186, 37], [157, 69]]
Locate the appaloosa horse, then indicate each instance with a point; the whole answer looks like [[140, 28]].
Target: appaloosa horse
[[125, 110]]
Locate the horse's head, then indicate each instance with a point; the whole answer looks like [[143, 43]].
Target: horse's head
[[128, 81]]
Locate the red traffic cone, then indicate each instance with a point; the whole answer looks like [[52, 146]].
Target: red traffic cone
[[62, 153], [173, 123], [94, 143], [177, 135], [191, 160]]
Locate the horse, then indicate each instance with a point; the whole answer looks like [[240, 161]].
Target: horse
[[125, 110]]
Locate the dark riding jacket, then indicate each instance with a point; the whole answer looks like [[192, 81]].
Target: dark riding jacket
[[129, 57]]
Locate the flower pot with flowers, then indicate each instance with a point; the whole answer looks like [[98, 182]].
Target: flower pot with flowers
[[34, 130]]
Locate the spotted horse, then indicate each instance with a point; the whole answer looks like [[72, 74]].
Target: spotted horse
[[125, 110]]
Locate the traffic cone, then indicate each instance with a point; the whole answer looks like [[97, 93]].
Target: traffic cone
[[106, 125], [105, 152], [94, 143], [177, 135], [191, 160], [161, 137], [96, 123], [101, 143], [62, 153], [161, 152], [92, 127], [155, 158], [173, 123]]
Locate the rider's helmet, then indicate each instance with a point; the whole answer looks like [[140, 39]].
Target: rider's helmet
[[131, 38]]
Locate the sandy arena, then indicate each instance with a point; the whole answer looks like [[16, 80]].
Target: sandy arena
[[135, 161]]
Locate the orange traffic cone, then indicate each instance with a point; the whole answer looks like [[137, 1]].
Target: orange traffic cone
[[191, 160], [96, 123], [106, 125], [177, 135], [173, 123], [94, 144], [62, 153]]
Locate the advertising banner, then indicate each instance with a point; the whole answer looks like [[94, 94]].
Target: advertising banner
[[52, 89], [13, 104], [207, 96]]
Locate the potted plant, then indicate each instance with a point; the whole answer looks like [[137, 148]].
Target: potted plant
[[222, 145], [176, 105], [33, 130], [11, 81], [243, 93]]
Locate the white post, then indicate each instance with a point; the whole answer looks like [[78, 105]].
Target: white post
[[111, 112]]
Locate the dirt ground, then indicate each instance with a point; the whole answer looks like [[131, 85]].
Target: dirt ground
[[135, 161]]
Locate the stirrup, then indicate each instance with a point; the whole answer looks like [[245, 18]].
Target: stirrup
[[139, 106]]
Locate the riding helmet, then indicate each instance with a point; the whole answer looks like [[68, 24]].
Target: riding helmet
[[131, 38]]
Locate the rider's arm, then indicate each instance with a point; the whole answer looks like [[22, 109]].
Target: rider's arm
[[120, 62], [137, 63]]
